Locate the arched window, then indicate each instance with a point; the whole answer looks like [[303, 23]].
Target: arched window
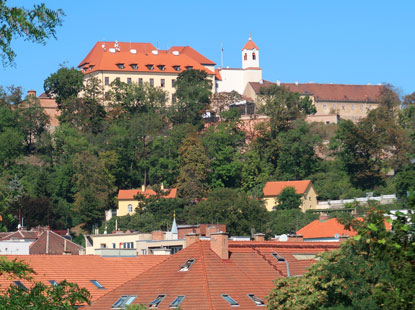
[[130, 208], [246, 56], [253, 56]]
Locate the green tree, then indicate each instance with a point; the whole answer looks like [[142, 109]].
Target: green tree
[[283, 107], [35, 25], [193, 91], [194, 169], [288, 221], [288, 199], [64, 85], [228, 206]]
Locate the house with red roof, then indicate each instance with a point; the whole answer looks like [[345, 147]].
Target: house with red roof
[[143, 63], [304, 187], [216, 274], [127, 202], [97, 274]]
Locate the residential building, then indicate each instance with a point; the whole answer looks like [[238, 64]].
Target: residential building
[[332, 101], [216, 274], [127, 203], [327, 229], [40, 241], [97, 274], [204, 230], [50, 107], [303, 187], [229, 79], [143, 63]]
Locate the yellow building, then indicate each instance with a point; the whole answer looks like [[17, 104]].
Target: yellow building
[[127, 202], [304, 187], [143, 63], [332, 101]]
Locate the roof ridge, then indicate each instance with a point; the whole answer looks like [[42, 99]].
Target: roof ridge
[[268, 261], [67, 239], [205, 274]]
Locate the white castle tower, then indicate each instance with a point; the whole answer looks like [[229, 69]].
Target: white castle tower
[[250, 55]]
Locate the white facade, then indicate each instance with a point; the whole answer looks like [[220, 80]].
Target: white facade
[[15, 247], [237, 78]]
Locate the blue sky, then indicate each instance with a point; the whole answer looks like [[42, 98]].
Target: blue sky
[[350, 42]]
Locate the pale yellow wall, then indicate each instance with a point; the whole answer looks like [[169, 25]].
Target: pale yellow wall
[[123, 207], [308, 201], [109, 239], [146, 76], [346, 110], [143, 245]]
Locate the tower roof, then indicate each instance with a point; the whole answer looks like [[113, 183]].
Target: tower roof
[[250, 45]]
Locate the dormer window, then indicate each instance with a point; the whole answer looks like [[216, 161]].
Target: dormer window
[[91, 67], [258, 301], [230, 300], [189, 67], [134, 66], [253, 56], [278, 257], [120, 66], [186, 266], [176, 68], [85, 68], [97, 284], [155, 303], [123, 302], [150, 67], [161, 67]]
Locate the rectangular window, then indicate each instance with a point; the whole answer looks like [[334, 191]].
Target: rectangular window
[[114, 245], [107, 80], [186, 266], [151, 82], [278, 258], [140, 81], [130, 208], [103, 245], [97, 284], [230, 300], [107, 95], [173, 83], [20, 285], [53, 283], [352, 106], [324, 107], [143, 251], [128, 81], [173, 98], [155, 303], [258, 301], [123, 302], [361, 107], [162, 82], [343, 107], [176, 303], [117, 81]]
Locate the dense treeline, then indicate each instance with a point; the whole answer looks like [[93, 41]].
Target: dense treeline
[[71, 175]]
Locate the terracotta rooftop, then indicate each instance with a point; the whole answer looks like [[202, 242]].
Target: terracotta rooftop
[[51, 243], [330, 92], [250, 45], [275, 188], [108, 59], [110, 272], [250, 269], [128, 194]]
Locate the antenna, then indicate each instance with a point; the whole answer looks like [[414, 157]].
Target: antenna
[[221, 54]]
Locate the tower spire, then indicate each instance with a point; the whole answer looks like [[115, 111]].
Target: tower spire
[[250, 37]]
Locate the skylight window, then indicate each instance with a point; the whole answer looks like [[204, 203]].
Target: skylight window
[[186, 266], [20, 285], [258, 301], [230, 300], [120, 66], [150, 67], [162, 67], [155, 303], [176, 303], [123, 302], [278, 257], [177, 68], [97, 284], [53, 283]]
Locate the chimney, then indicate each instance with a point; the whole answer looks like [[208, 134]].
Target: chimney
[[191, 238], [143, 188], [219, 244], [296, 83], [278, 82], [162, 186], [323, 217], [259, 237], [295, 238], [31, 93]]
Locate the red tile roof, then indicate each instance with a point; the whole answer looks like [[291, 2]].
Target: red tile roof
[[325, 229], [250, 45], [275, 188], [129, 194], [218, 75], [331, 92], [192, 53], [20, 235], [109, 271], [51, 243], [250, 269], [99, 59]]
